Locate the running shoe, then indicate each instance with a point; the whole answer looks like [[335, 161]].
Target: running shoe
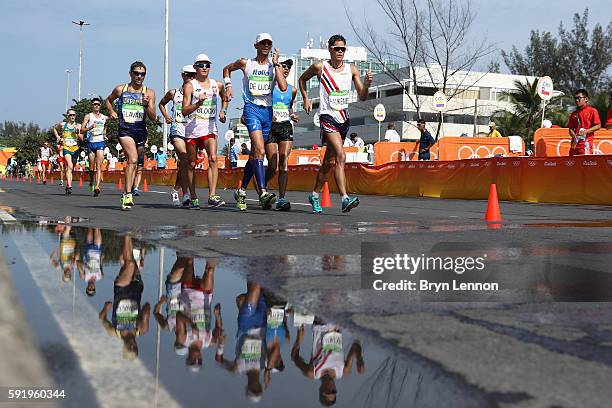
[[215, 201], [175, 198], [124, 205], [68, 190], [44, 181], [267, 200], [129, 200], [91, 188], [186, 200], [96, 192], [316, 204], [240, 197], [61, 182], [135, 191], [349, 203], [195, 204], [283, 205]]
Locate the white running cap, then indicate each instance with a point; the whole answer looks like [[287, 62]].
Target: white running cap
[[188, 68], [262, 36], [202, 57]]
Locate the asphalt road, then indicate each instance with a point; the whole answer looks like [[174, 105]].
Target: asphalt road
[[419, 223]]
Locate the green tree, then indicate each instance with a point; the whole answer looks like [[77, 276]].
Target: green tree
[[28, 146], [12, 132], [576, 58]]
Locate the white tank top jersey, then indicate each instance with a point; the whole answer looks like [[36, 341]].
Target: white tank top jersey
[[178, 127], [327, 350], [334, 92], [203, 121], [258, 83], [45, 153], [96, 134]]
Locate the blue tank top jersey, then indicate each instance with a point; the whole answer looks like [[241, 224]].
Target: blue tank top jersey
[[132, 113]]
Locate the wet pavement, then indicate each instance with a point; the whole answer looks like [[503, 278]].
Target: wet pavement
[[124, 321]]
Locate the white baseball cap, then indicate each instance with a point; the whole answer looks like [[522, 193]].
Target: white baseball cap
[[188, 68], [202, 57], [262, 36]]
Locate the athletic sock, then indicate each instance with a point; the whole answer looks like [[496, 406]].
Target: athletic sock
[[248, 174], [260, 173], [315, 194], [345, 196]]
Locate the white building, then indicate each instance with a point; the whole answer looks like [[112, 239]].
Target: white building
[[477, 96]]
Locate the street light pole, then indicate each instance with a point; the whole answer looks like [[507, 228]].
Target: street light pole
[[68, 72], [165, 128], [80, 23]]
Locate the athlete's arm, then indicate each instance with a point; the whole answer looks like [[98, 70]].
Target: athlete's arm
[[162, 105], [281, 81], [56, 133], [105, 323], [149, 99], [354, 352], [227, 72], [314, 69], [108, 102], [79, 129], [143, 319], [362, 88], [188, 107], [306, 369], [294, 116], [85, 121], [224, 102], [106, 130]]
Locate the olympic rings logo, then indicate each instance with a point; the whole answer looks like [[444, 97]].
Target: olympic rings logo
[[477, 155], [596, 147]]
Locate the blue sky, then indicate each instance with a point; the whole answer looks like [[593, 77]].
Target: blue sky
[[40, 42]]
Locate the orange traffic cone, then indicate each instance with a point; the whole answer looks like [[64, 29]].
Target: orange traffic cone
[[81, 181], [145, 187], [493, 214], [120, 184], [326, 199]]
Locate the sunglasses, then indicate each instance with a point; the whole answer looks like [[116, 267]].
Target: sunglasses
[[72, 114], [139, 74], [339, 49], [577, 98], [96, 104], [202, 65]]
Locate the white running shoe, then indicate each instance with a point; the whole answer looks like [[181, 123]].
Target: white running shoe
[[175, 198]]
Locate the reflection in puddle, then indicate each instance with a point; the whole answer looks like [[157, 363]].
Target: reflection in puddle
[[211, 331]]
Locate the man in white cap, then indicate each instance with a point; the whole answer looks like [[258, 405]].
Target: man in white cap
[[177, 129], [200, 107], [260, 75]]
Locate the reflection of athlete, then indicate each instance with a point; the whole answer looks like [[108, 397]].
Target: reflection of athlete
[[129, 319], [277, 333], [90, 269], [327, 361], [65, 259], [172, 298], [250, 353], [259, 77]]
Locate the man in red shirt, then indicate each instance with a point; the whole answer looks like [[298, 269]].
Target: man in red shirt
[[583, 123]]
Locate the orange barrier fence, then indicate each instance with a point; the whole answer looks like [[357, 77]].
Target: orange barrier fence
[[448, 148], [556, 142], [576, 180]]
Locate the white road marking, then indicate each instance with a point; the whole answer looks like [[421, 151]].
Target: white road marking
[[6, 217], [116, 382]]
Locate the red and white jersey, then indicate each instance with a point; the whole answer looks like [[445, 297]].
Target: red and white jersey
[[334, 92]]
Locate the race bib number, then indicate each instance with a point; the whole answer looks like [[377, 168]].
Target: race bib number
[[94, 264], [332, 342], [127, 314], [178, 117], [260, 85], [132, 113], [276, 317], [281, 112], [208, 110], [70, 141], [174, 305], [339, 100], [198, 317], [251, 349], [98, 129]]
